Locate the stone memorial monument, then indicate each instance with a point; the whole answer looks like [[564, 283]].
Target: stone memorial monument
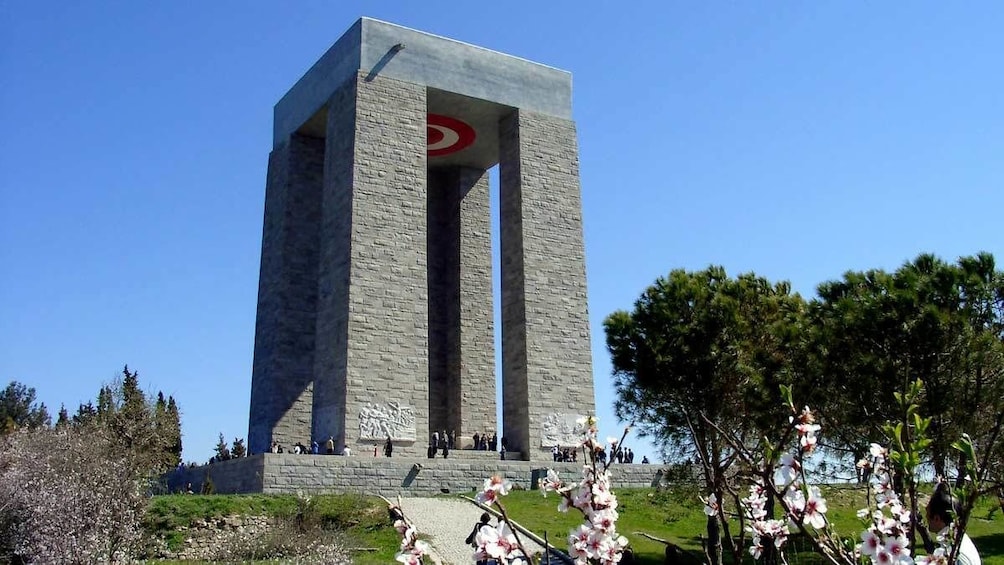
[[375, 294]]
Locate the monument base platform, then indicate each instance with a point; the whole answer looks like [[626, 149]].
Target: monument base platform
[[287, 473]]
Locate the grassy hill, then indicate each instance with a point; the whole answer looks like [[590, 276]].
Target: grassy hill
[[675, 515]]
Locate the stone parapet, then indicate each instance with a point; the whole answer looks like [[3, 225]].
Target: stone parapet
[[286, 473]]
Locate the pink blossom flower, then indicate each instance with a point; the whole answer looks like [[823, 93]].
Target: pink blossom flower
[[870, 544], [815, 509], [551, 483], [498, 543], [756, 548], [791, 468], [711, 505], [939, 557], [808, 440], [877, 451], [898, 549], [605, 520], [794, 499], [408, 558], [493, 488]]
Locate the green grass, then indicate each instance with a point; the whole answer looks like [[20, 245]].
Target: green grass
[[675, 515], [361, 520]]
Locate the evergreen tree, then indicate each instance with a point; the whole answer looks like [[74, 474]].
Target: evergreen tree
[[875, 332], [133, 422], [106, 403], [18, 408], [222, 451], [238, 449], [64, 417], [703, 352], [173, 430], [168, 430], [146, 427], [86, 414]]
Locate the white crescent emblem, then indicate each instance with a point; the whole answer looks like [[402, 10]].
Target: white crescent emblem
[[449, 137]]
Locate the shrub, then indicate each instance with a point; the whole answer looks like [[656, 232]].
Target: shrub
[[67, 496]]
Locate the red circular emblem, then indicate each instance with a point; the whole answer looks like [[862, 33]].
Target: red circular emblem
[[445, 135]]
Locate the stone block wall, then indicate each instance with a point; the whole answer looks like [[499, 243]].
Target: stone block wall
[[282, 373], [372, 330], [375, 299], [461, 325], [236, 476], [285, 473], [334, 260], [546, 359]]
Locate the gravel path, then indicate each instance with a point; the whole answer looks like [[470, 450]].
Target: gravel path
[[446, 523]]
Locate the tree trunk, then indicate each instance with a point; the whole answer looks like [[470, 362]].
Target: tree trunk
[[714, 541]]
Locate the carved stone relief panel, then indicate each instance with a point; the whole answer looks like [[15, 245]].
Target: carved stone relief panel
[[561, 430], [378, 421]]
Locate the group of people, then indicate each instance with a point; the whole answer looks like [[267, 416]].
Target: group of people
[[484, 442], [564, 455], [298, 448], [328, 447], [314, 449], [443, 442], [570, 455]]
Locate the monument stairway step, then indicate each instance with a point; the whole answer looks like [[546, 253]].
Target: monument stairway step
[[479, 455]]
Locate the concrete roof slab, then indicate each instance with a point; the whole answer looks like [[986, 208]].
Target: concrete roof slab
[[375, 48]]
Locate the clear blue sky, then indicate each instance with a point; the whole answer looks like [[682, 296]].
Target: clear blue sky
[[797, 140]]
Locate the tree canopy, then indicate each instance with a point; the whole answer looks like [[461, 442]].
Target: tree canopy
[[701, 355], [872, 333], [699, 361], [702, 352], [19, 409]]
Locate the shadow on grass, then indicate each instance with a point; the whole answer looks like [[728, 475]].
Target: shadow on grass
[[990, 544]]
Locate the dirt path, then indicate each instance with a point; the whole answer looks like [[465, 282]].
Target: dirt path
[[446, 523]]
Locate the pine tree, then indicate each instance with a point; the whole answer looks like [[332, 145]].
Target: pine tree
[[18, 408], [86, 414], [173, 430], [64, 417], [168, 430], [134, 423], [222, 451], [106, 403], [133, 399], [238, 449]]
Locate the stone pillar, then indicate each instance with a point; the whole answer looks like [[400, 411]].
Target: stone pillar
[[282, 373], [461, 325], [372, 325], [546, 359]]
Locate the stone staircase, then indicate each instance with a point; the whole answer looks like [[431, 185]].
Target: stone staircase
[[479, 455]]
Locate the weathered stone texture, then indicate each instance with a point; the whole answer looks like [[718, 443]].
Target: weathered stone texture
[[334, 260], [461, 325], [546, 360], [372, 329], [286, 473], [282, 373], [375, 295]]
